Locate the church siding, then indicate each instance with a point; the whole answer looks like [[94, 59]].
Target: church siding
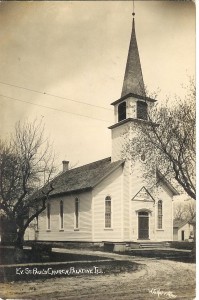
[[126, 201], [69, 233], [118, 138], [111, 186], [166, 233]]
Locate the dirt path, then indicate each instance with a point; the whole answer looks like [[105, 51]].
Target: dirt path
[[175, 279]]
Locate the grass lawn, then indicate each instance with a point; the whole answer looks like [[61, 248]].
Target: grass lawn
[[169, 254], [7, 257]]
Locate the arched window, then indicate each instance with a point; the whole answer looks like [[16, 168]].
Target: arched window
[[121, 111], [48, 216], [61, 212], [76, 213], [142, 110], [160, 214], [108, 212]]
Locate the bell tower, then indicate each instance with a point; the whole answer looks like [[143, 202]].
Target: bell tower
[[133, 108]]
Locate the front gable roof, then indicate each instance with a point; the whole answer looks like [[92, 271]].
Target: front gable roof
[[83, 178], [143, 195]]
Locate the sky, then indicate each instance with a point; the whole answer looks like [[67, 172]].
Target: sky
[[77, 50]]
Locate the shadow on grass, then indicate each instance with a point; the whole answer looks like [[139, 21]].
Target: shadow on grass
[[7, 256], [169, 254], [59, 265]]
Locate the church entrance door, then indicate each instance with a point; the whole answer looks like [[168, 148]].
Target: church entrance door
[[143, 225]]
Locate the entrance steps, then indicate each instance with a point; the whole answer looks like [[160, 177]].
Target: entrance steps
[[150, 245]]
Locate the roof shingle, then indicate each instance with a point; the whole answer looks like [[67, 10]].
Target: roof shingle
[[84, 177]]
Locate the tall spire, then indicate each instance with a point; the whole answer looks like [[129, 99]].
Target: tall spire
[[133, 79]]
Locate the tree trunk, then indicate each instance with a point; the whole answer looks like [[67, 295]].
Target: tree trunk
[[9, 232], [19, 253], [19, 239]]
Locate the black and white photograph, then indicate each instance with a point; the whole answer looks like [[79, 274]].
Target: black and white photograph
[[98, 150]]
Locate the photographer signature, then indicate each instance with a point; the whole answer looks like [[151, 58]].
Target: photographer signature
[[159, 293]]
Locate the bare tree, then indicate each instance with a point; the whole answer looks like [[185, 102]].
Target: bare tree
[[168, 141], [25, 160], [185, 211]]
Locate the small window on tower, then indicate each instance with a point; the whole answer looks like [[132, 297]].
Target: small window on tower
[[142, 110], [121, 111]]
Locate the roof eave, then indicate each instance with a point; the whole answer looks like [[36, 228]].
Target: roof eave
[[167, 183], [108, 173], [135, 96], [132, 120], [71, 192]]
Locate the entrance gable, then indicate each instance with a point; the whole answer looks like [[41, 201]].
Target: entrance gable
[[143, 195]]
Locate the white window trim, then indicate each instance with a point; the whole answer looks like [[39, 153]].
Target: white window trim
[[160, 229], [48, 228], [76, 228], [108, 228], [60, 228]]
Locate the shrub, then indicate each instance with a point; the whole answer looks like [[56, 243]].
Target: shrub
[[182, 245]]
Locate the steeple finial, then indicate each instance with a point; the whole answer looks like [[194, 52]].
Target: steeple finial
[[133, 79], [133, 13]]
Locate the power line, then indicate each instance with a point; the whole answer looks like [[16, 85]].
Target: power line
[[52, 108], [52, 95]]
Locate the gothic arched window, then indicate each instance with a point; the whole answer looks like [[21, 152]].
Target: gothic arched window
[[61, 208], [160, 214], [48, 216], [108, 212], [142, 110], [76, 213], [121, 111]]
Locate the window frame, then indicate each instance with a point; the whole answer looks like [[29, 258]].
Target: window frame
[[48, 215], [106, 213], [160, 215], [61, 215], [144, 104], [76, 214], [122, 110]]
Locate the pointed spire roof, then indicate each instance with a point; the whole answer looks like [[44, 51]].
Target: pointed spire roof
[[133, 79]]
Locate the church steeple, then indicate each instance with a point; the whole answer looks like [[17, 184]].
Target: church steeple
[[133, 79], [134, 107]]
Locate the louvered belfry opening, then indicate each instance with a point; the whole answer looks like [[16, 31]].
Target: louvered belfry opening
[[121, 111], [142, 110]]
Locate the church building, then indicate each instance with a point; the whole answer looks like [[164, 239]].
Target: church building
[[110, 200]]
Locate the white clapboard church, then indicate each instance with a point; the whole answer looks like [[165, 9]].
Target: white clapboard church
[[109, 200]]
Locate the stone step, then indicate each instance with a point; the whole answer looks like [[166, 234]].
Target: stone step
[[152, 245]]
